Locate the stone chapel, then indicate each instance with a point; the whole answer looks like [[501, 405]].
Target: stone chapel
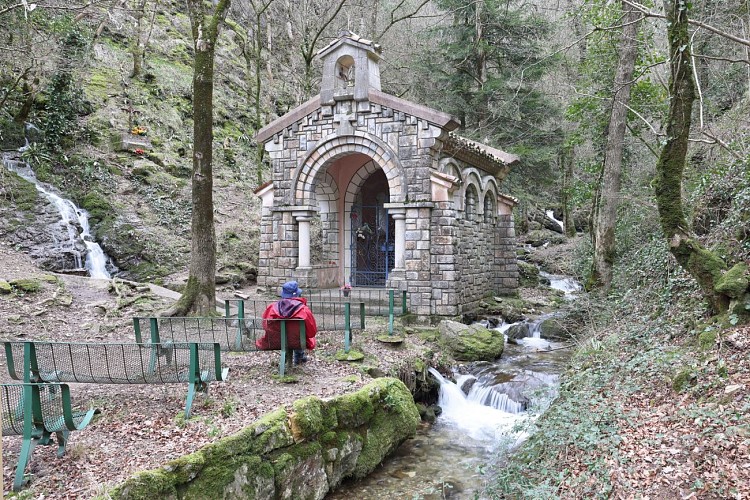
[[376, 191]]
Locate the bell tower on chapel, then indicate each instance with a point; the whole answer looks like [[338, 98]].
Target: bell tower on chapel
[[350, 70]]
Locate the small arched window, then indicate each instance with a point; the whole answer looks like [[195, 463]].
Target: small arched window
[[489, 207], [344, 72], [472, 198]]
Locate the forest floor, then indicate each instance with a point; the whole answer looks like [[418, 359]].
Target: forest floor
[[140, 427]]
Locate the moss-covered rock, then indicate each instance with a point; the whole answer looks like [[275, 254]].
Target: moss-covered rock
[[684, 379], [307, 419], [395, 419], [528, 274], [263, 461], [733, 283], [471, 342], [5, 287], [299, 473], [706, 340], [26, 285]]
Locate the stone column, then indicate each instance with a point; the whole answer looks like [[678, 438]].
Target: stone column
[[303, 230], [399, 246]]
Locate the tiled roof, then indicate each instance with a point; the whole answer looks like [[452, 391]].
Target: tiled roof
[[462, 143], [375, 47]]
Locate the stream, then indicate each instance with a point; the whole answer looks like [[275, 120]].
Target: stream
[[486, 414]]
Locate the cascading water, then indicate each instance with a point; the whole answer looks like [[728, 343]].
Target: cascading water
[[565, 284], [551, 215], [486, 414], [72, 218]]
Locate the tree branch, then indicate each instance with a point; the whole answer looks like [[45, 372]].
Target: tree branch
[[707, 27]]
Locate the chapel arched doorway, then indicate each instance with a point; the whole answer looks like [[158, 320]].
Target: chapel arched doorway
[[371, 233]]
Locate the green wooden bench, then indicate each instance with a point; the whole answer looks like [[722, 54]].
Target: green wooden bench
[[118, 363], [36, 411], [232, 334]]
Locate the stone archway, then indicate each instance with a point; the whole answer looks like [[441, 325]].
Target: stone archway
[[327, 151]]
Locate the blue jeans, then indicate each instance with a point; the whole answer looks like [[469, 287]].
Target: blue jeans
[[299, 356]]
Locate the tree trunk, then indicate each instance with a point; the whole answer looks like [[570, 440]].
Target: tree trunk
[[199, 297], [705, 266], [566, 165], [606, 215]]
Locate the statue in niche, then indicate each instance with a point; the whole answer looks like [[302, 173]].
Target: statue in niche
[[345, 72]]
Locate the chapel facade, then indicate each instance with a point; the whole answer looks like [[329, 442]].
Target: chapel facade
[[376, 191]]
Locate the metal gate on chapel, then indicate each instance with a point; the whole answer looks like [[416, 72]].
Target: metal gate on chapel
[[371, 245]]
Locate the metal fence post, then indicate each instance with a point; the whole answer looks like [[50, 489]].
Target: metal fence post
[[347, 326], [390, 312]]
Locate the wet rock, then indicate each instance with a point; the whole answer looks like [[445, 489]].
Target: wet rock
[[471, 342], [467, 385], [518, 331]]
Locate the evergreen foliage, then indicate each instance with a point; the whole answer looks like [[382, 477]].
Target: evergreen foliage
[[485, 71]]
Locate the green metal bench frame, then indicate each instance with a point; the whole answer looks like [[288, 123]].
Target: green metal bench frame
[[74, 362], [36, 411], [157, 334]]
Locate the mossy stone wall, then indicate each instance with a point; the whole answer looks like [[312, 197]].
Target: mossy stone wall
[[302, 454]]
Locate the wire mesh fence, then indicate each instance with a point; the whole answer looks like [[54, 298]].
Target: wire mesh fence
[[330, 316], [113, 363]]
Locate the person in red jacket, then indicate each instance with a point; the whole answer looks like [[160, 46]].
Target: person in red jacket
[[291, 305]]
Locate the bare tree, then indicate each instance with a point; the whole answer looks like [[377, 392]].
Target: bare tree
[[605, 211], [199, 296]]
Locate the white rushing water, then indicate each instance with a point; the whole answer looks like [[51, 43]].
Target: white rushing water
[[72, 218], [480, 422], [569, 286], [551, 215]]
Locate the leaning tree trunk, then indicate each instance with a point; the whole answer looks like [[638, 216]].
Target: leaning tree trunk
[[606, 214], [199, 296], [705, 266]]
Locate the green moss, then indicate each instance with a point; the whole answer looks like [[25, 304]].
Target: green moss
[[472, 343], [734, 282], [684, 379], [395, 420], [186, 467], [5, 287], [707, 340], [18, 192], [528, 274], [26, 285], [251, 471], [307, 418], [145, 486], [97, 206], [352, 355], [352, 410]]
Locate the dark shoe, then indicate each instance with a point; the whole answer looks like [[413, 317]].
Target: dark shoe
[[300, 359]]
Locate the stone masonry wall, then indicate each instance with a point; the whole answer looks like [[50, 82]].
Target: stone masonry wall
[[506, 264], [446, 286], [418, 274], [476, 260]]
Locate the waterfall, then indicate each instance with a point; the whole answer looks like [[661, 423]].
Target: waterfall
[[565, 284], [475, 419], [72, 218], [551, 215]]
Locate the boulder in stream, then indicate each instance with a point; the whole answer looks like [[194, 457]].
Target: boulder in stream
[[471, 342]]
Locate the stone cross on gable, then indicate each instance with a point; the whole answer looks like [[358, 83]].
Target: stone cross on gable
[[345, 121]]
